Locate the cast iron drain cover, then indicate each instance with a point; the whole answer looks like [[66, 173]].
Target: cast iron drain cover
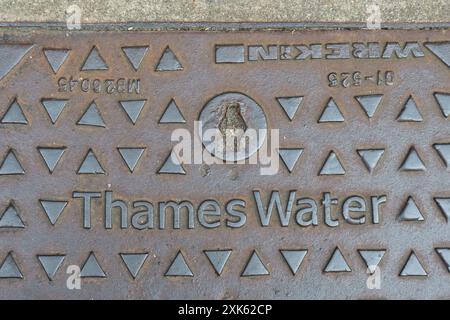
[[307, 164]]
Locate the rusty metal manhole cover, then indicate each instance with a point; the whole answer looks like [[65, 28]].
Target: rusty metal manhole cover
[[114, 183]]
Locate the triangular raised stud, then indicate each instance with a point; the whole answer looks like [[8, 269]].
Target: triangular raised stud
[[133, 108], [331, 113], [11, 165], [443, 149], [255, 267], [11, 55], [443, 100], [410, 211], [94, 61], [168, 61], [51, 156], [9, 268], [372, 258], [90, 165], [413, 267], [444, 253], [92, 117], [332, 165], [370, 157], [179, 267], [14, 114], [290, 156], [51, 264], [412, 161], [444, 205], [290, 105], [134, 262], [218, 259], [172, 165], [131, 156], [56, 57], [172, 114], [10, 218], [54, 108], [53, 209], [135, 55], [337, 263], [369, 103], [91, 268], [293, 258], [410, 112], [440, 50]]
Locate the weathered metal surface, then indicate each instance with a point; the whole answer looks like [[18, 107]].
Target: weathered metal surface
[[364, 143]]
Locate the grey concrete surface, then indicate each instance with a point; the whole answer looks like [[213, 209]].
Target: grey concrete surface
[[411, 11]]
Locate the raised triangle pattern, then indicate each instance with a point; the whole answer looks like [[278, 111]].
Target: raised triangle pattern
[[11, 165], [51, 264], [179, 267], [94, 61], [51, 156], [172, 165], [91, 268], [440, 50], [14, 115], [332, 165], [134, 262], [135, 55], [168, 61], [11, 219], [444, 205], [54, 108], [412, 162], [92, 117], [90, 165], [369, 103], [443, 100], [410, 112], [53, 209], [218, 259], [413, 267], [56, 58], [290, 105], [370, 157], [131, 156], [372, 258], [10, 269], [10, 56], [172, 114], [444, 253], [443, 149], [290, 157], [294, 258], [411, 212], [255, 267], [337, 263], [331, 113], [133, 108]]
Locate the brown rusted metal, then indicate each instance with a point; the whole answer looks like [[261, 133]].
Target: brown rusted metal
[[308, 85]]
